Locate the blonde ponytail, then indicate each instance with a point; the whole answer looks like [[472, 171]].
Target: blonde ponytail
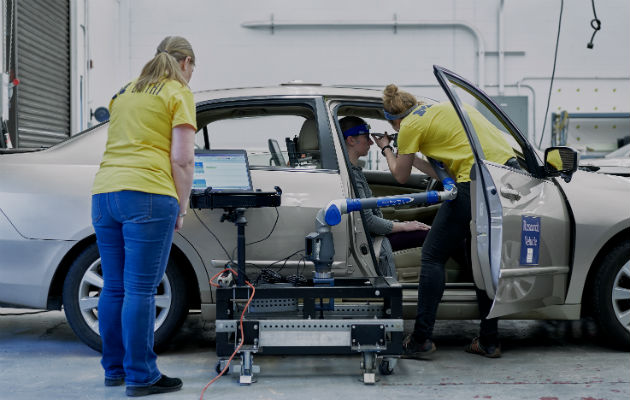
[[396, 101], [165, 63]]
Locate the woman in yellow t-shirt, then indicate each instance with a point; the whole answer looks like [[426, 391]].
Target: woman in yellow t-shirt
[[436, 131], [139, 199]]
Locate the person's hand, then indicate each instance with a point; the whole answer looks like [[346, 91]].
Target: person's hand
[[382, 141], [409, 226], [179, 223]]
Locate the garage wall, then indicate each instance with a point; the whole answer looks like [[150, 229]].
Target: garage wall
[[231, 52]]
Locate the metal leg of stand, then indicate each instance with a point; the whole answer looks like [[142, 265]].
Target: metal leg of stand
[[247, 368], [368, 366], [240, 222]]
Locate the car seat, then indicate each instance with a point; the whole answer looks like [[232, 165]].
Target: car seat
[[308, 143]]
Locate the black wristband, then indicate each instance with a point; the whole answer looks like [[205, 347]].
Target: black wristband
[[386, 147]]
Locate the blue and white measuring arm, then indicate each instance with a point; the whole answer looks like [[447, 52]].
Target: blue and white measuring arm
[[336, 208]]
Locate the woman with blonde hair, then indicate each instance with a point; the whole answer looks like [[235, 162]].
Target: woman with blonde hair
[[436, 131], [139, 198]]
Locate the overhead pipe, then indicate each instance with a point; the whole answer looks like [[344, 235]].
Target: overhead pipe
[[501, 50], [272, 24]]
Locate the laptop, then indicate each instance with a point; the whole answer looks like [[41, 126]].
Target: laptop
[[222, 171]]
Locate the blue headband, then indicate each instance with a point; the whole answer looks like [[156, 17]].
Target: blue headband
[[357, 130], [392, 117]]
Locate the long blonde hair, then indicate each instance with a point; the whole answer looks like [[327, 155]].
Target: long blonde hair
[[396, 101], [165, 63]]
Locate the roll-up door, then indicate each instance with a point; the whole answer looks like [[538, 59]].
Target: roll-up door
[[41, 103]]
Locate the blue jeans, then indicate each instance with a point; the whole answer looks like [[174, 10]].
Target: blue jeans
[[134, 232]]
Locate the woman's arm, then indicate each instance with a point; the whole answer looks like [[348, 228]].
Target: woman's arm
[[425, 166], [399, 165], [182, 166]]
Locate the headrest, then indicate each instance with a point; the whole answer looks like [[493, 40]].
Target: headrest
[[308, 138]]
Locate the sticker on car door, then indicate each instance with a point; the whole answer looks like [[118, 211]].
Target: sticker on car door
[[530, 240]]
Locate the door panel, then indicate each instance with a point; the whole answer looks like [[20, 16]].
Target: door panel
[[534, 278]]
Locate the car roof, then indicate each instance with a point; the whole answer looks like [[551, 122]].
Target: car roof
[[288, 89]]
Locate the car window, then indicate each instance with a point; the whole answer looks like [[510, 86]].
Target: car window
[[493, 121], [284, 140]]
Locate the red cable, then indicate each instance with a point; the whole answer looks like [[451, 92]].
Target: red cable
[[241, 328]]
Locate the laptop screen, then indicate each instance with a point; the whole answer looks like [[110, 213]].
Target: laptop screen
[[221, 170]]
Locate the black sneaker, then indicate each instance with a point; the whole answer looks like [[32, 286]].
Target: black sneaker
[[413, 349], [164, 385], [114, 381]]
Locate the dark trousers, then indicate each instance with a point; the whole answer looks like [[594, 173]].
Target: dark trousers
[[450, 229], [407, 239]]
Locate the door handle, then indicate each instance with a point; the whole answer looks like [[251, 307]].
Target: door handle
[[511, 194]]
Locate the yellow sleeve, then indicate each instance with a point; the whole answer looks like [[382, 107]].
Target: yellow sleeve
[[182, 108]]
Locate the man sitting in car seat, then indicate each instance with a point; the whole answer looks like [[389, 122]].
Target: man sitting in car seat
[[392, 235]]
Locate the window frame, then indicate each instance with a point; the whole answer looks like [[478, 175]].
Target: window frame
[[328, 158]]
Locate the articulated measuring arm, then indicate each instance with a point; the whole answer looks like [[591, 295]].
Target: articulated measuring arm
[[319, 245], [336, 208]]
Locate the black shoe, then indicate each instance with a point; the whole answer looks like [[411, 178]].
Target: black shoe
[[413, 349], [114, 381], [164, 385]]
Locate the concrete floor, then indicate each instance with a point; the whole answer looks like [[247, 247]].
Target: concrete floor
[[40, 358]]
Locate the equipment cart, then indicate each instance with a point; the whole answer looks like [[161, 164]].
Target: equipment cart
[[287, 320]]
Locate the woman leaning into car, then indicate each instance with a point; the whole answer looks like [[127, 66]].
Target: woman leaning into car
[[140, 196], [436, 131]]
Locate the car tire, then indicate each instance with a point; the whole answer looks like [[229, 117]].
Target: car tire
[[611, 297], [82, 288]]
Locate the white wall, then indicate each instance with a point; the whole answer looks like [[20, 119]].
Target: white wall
[[124, 33]]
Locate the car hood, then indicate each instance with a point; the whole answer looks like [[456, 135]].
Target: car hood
[[607, 162], [599, 201], [614, 166]]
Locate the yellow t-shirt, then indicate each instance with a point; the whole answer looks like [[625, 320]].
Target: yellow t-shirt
[[137, 154], [436, 131]]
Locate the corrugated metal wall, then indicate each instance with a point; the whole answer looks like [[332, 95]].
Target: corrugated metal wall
[[42, 63]]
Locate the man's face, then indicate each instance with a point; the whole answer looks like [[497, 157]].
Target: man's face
[[363, 143]]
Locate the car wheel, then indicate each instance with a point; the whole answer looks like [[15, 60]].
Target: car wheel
[[82, 288], [611, 297]]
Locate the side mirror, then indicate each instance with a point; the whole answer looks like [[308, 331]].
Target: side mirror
[[561, 161]]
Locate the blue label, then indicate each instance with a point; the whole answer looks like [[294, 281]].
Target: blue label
[[393, 202], [530, 240], [423, 109]]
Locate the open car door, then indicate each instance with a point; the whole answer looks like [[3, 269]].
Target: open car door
[[520, 228]]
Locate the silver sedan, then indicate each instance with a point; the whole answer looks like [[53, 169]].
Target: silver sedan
[[548, 243]]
